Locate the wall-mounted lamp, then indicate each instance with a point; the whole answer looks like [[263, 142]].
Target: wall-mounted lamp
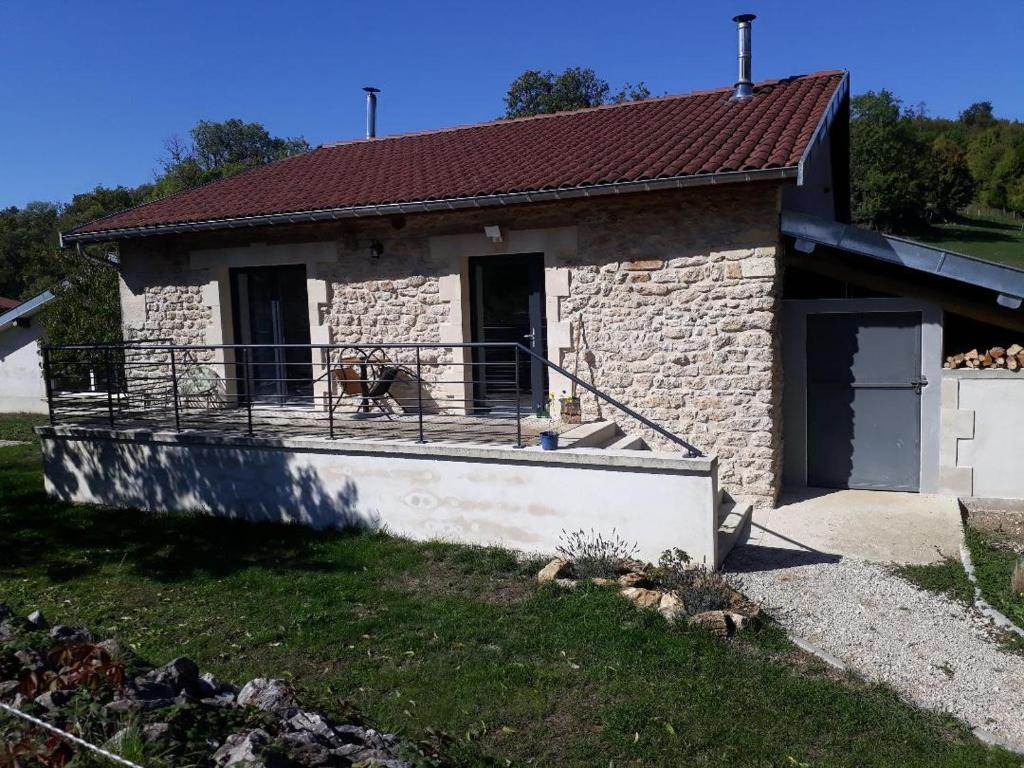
[[376, 249], [494, 233]]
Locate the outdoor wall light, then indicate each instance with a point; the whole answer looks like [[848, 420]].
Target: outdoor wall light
[[376, 249], [494, 233]]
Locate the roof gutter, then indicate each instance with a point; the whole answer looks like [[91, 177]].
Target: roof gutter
[[446, 204]]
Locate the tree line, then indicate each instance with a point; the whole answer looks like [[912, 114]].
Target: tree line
[[88, 309], [908, 171]]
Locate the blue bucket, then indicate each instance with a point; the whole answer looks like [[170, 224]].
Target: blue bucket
[[549, 441]]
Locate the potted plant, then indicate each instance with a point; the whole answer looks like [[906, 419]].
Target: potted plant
[[569, 408], [549, 440]]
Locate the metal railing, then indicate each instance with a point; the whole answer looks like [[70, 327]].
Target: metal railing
[[475, 392]]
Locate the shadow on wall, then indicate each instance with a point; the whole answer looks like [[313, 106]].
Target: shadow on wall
[[255, 484]]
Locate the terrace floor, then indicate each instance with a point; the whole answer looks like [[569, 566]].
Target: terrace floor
[[305, 420]]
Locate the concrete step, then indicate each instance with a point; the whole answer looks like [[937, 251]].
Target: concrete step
[[629, 443], [597, 434], [735, 526]]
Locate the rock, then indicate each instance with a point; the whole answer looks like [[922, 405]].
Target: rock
[[598, 581], [69, 635], [8, 631], [250, 749], [143, 695], [739, 621], [351, 734], [306, 748], [52, 700], [30, 660], [671, 607], [268, 694], [112, 648], [312, 722], [643, 598], [155, 731], [36, 620], [559, 568], [377, 757], [565, 583], [179, 675], [634, 579], [719, 623]]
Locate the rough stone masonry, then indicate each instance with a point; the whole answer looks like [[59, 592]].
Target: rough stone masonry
[[673, 304]]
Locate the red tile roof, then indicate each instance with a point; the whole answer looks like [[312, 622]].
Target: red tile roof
[[668, 137], [6, 304]]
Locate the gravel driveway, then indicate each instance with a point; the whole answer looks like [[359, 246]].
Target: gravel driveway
[[936, 652]]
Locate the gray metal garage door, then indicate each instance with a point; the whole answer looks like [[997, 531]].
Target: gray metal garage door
[[864, 400]]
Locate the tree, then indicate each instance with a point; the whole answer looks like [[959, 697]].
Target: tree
[[949, 182], [978, 115], [888, 163], [27, 235], [218, 150], [535, 92]]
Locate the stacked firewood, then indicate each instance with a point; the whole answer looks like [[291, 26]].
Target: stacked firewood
[[1011, 357]]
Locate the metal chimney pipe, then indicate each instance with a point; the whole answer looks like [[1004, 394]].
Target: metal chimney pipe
[[371, 110], [744, 85]]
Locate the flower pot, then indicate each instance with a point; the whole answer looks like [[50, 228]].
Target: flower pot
[[549, 441]]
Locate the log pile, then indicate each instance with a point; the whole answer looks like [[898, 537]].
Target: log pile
[[1011, 358]]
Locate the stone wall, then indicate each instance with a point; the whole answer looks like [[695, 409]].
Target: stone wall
[[672, 302], [676, 309]]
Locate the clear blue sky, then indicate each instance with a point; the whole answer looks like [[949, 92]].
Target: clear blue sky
[[91, 90]]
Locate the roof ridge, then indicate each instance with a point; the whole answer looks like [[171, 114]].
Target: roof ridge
[[581, 110]]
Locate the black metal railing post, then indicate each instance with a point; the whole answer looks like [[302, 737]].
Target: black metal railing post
[[248, 389], [174, 388], [419, 394], [330, 397], [47, 385], [519, 406], [110, 395]]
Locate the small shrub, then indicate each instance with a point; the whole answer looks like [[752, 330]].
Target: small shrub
[[1017, 578], [594, 556], [699, 588]]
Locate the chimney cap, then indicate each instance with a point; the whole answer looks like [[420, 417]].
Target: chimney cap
[[371, 89], [744, 17]]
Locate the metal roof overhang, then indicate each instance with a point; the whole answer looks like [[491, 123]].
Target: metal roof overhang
[[25, 309], [1007, 282]]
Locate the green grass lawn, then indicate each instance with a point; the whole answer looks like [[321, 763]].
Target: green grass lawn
[[993, 563], [457, 639], [991, 238], [946, 577]]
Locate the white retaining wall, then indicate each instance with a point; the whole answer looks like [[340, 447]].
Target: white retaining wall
[[982, 444], [477, 494]]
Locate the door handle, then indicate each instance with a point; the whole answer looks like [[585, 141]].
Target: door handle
[[919, 384], [532, 336]]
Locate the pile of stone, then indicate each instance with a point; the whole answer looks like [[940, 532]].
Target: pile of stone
[[638, 582], [291, 737]]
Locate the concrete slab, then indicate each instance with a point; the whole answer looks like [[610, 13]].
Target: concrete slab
[[881, 526]]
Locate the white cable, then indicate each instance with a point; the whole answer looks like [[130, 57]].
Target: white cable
[[68, 736]]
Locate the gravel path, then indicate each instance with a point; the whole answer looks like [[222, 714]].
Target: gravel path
[[936, 652]]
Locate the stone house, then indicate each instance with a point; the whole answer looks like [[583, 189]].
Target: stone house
[[687, 256]]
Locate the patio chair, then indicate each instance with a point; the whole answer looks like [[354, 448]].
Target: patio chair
[[370, 378]]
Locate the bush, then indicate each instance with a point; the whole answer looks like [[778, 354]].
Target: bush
[[699, 588], [595, 557]]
